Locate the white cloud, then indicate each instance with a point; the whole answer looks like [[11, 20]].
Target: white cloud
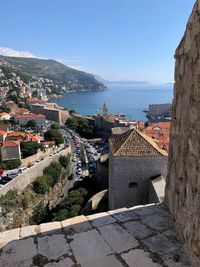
[[5, 51]]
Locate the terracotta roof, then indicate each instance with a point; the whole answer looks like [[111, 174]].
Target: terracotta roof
[[30, 115], [33, 100], [134, 144], [2, 133], [32, 138], [48, 143], [4, 128], [11, 143], [3, 113], [16, 134]]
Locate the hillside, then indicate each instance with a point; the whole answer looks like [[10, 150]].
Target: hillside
[[50, 75]]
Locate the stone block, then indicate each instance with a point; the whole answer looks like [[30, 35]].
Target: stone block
[[158, 222], [118, 238], [138, 258], [18, 253], [101, 219], [161, 245], [89, 246], [50, 228], [138, 229], [108, 261], [9, 236], [77, 224], [126, 216], [29, 231], [53, 247], [144, 211], [67, 262]]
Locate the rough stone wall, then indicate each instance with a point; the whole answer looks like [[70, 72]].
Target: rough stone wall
[[183, 181], [126, 170]]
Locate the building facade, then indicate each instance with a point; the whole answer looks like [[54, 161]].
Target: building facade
[[134, 161]]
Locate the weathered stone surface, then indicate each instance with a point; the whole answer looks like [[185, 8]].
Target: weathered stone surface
[[101, 246], [29, 231], [89, 246], [49, 228], [53, 247], [138, 258], [8, 236], [18, 253], [118, 238], [126, 216], [101, 219], [77, 224], [108, 261], [67, 262], [183, 180], [158, 222], [137, 229], [161, 245]]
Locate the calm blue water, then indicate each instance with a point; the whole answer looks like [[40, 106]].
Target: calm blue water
[[130, 99]]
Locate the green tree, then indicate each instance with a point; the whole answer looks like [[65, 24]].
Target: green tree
[[54, 135], [53, 170], [42, 184], [72, 123], [60, 215], [31, 124], [29, 149], [55, 126], [10, 164], [40, 213], [64, 160]]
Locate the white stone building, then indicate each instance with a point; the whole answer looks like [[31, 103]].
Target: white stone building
[[134, 161]]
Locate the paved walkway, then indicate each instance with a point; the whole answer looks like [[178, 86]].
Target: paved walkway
[[136, 237]]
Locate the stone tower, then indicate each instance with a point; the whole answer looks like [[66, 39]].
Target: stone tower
[[183, 181], [105, 109]]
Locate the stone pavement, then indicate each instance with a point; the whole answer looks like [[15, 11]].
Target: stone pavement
[[141, 236]]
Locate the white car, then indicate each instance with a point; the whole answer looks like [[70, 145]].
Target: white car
[[22, 169], [79, 171], [74, 159]]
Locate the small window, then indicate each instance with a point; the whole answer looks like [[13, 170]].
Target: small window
[[133, 185]]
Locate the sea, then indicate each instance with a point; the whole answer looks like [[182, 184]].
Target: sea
[[128, 99]]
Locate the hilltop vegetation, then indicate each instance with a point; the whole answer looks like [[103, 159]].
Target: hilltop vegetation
[[47, 74]]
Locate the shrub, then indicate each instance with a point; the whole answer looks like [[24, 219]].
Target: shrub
[[27, 197], [55, 126], [40, 213], [53, 170], [60, 215], [29, 149], [54, 135], [83, 191], [9, 199], [64, 160], [42, 184], [10, 164]]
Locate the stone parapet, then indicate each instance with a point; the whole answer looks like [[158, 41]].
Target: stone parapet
[[141, 236]]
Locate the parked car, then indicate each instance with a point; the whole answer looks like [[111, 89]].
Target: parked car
[[22, 169], [74, 159], [79, 171]]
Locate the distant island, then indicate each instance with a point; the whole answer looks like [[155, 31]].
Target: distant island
[[49, 75]]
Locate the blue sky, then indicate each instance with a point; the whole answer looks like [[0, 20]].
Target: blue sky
[[116, 39]]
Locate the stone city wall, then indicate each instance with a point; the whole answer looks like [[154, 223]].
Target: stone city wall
[[183, 181], [28, 176]]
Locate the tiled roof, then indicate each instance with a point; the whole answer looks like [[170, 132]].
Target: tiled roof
[[2, 133], [30, 115], [33, 100], [134, 144], [11, 143]]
